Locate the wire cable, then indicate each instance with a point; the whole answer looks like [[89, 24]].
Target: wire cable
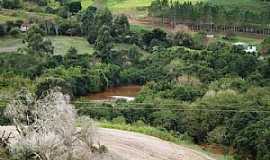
[[113, 107]]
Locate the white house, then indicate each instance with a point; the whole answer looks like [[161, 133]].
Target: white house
[[25, 26], [210, 36], [247, 47]]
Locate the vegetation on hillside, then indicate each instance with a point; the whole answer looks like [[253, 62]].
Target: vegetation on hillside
[[214, 92], [214, 16]]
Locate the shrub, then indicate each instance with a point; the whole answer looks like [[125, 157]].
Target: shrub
[[14, 32], [63, 12], [229, 36], [69, 27], [2, 30], [74, 6], [3, 119], [119, 120], [139, 123], [4, 154], [12, 4], [49, 10], [49, 83], [265, 46], [217, 135], [183, 39]]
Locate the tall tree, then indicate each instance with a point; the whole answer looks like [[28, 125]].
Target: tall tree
[[103, 17], [120, 26], [74, 6], [88, 24], [103, 43], [37, 43]]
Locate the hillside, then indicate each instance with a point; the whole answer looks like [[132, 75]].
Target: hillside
[[191, 73], [130, 5]]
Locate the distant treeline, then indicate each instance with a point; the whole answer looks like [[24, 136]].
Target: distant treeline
[[211, 17]]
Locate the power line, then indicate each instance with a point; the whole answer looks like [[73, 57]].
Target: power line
[[115, 102], [185, 109], [166, 108], [143, 103]]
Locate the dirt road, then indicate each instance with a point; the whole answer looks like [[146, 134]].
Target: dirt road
[[151, 22], [135, 146]]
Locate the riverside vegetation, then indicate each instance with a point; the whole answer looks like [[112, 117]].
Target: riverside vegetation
[[215, 93]]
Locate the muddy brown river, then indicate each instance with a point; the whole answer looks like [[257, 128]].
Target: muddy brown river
[[125, 91]]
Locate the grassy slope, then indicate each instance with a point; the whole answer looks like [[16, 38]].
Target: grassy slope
[[131, 7], [9, 44], [137, 8], [61, 44], [117, 5], [125, 5], [8, 14], [4, 18]]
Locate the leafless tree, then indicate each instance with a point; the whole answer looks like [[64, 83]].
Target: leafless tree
[[47, 129], [5, 139]]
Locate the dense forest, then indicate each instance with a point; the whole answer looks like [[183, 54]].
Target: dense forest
[[212, 17], [215, 94]]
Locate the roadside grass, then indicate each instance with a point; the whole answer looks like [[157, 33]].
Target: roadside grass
[[61, 44], [140, 127]]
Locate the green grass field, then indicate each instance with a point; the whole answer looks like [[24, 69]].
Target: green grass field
[[124, 6], [10, 44], [140, 28], [61, 44], [118, 5], [4, 18]]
